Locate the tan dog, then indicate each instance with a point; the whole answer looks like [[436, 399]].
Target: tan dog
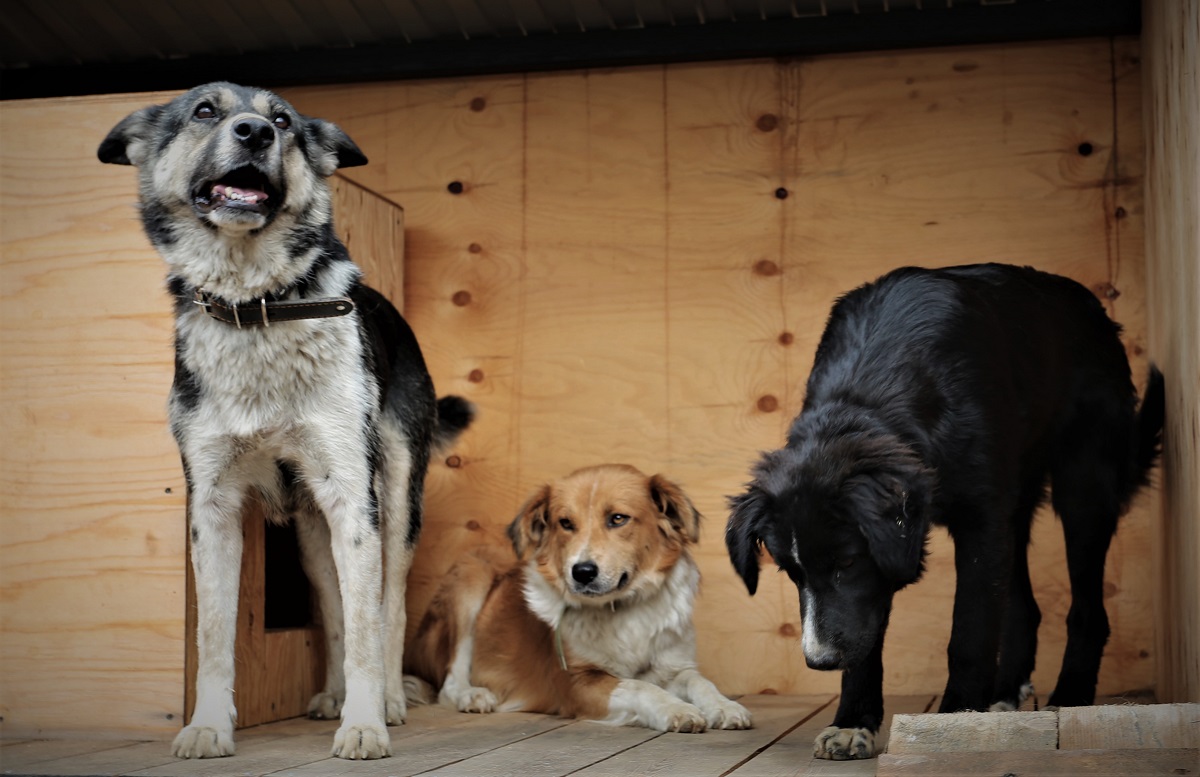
[[593, 621]]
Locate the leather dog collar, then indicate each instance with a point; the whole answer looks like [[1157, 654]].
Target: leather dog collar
[[265, 312]]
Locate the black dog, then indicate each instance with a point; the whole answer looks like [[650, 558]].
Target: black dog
[[951, 397]]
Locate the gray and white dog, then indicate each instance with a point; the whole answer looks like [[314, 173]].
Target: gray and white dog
[[293, 380]]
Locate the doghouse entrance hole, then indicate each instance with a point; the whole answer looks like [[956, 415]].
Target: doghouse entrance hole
[[288, 596]]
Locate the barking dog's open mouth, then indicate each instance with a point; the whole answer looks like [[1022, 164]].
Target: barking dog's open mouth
[[244, 189]]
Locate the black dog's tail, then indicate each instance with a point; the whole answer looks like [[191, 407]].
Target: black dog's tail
[[1147, 440], [454, 415]]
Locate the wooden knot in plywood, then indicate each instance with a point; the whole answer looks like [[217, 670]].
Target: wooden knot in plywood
[[766, 267], [456, 187], [454, 462], [768, 404], [781, 193], [787, 630], [475, 248], [475, 376], [767, 122], [461, 298], [478, 104], [787, 338]]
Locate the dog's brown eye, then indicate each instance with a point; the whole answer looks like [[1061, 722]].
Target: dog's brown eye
[[617, 519], [204, 111], [845, 563], [566, 524], [282, 122]]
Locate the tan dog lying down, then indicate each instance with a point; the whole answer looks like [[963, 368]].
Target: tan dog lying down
[[594, 621]]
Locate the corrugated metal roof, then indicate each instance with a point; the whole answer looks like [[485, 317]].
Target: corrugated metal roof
[[51, 44]]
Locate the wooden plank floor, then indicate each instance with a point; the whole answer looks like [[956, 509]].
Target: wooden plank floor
[[438, 741]]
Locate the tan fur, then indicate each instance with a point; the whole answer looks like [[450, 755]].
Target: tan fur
[[508, 605]]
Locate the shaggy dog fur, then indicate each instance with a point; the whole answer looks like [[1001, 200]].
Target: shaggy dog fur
[[330, 420], [951, 397], [595, 618]]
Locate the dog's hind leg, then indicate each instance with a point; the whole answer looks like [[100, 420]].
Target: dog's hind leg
[[1018, 641], [215, 522], [316, 556], [1086, 498], [400, 486]]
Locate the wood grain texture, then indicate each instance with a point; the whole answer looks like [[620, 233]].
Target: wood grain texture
[[91, 493], [962, 732], [1057, 763], [1126, 727], [650, 255], [1171, 35]]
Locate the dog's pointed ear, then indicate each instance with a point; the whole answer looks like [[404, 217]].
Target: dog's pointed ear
[[125, 144], [528, 529], [329, 148], [894, 518], [672, 502], [743, 534]]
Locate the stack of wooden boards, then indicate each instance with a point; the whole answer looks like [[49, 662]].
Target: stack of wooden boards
[[1118, 740]]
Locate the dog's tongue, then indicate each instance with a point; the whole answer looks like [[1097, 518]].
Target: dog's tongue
[[239, 194]]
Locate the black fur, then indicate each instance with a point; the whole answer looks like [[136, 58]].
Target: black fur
[[952, 397]]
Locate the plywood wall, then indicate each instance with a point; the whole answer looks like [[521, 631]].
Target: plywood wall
[[91, 492], [1172, 112], [635, 265]]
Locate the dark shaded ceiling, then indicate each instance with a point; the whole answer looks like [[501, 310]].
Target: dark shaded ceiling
[[66, 47]]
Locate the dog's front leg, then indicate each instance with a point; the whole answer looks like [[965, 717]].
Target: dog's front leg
[[860, 711], [214, 517], [640, 703], [719, 711], [346, 499], [982, 562]]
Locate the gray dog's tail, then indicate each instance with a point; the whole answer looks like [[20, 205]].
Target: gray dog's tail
[[454, 415]]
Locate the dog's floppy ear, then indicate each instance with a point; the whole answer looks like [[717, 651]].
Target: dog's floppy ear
[[329, 148], [125, 144], [743, 534], [675, 505], [893, 514], [528, 529]]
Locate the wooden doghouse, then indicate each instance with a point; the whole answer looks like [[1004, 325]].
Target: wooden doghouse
[[629, 265]]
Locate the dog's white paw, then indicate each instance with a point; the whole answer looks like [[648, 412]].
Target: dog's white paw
[[361, 742], [324, 706], [727, 715], [475, 699], [397, 711], [683, 718], [203, 742], [1010, 705], [844, 744]]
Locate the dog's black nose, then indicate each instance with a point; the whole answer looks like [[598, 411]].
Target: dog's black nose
[[254, 133], [585, 572]]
